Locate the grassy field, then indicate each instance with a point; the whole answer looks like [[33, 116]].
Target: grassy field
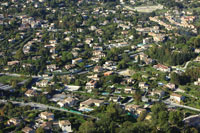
[[6, 79]]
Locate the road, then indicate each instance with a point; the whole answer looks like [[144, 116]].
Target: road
[[45, 107], [180, 106]]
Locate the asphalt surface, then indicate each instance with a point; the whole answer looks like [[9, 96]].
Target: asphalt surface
[[45, 107], [180, 106]]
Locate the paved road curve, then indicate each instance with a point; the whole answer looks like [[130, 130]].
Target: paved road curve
[[43, 106], [181, 106]]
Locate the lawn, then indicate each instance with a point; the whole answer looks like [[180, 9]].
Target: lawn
[[7, 79]]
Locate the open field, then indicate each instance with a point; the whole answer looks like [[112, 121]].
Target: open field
[[145, 9], [6, 79], [148, 9]]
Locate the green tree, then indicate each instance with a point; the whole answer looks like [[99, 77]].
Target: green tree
[[39, 130], [87, 127], [176, 118], [175, 78], [137, 96], [142, 116], [19, 54]]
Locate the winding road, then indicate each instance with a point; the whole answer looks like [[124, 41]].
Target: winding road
[[45, 107], [180, 106]]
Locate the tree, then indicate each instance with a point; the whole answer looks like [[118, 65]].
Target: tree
[[156, 108], [176, 118], [175, 78], [19, 54], [14, 83], [77, 82], [142, 116], [39, 130], [197, 42], [87, 127], [55, 79], [137, 96]]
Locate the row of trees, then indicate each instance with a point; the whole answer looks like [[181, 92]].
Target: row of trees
[[191, 75], [115, 120], [166, 55]]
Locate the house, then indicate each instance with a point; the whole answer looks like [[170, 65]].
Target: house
[[43, 83], [88, 40], [31, 93], [115, 99], [160, 93], [91, 102], [47, 125], [98, 69], [132, 107], [77, 60], [70, 101], [108, 73], [91, 84], [157, 37], [53, 50], [176, 97], [11, 63], [94, 77], [140, 110], [147, 40], [171, 86], [129, 90], [197, 50], [65, 125], [51, 67], [14, 121], [143, 85], [68, 67], [52, 41], [27, 130], [197, 82], [162, 68], [47, 116]]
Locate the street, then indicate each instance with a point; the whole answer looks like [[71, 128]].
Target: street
[[45, 107]]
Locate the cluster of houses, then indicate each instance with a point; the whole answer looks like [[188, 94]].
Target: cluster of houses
[[45, 120], [109, 67], [181, 19]]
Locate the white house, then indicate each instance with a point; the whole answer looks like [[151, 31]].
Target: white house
[[70, 101], [65, 125], [176, 97], [47, 116]]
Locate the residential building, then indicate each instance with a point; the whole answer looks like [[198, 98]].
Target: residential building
[[47, 116], [65, 125], [91, 102], [129, 90], [70, 101], [98, 69], [14, 121], [108, 73], [143, 85], [162, 68], [30, 93], [171, 86], [91, 84], [51, 67], [11, 63], [43, 83], [176, 97], [27, 130], [160, 93], [77, 60], [197, 82]]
